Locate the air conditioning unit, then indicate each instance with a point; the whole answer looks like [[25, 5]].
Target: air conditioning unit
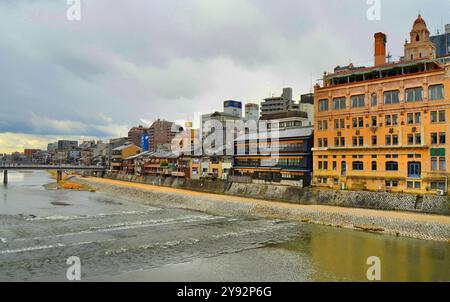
[[440, 192]]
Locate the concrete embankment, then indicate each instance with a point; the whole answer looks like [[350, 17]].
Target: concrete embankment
[[415, 225], [429, 204]]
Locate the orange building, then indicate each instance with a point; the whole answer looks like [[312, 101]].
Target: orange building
[[386, 127]]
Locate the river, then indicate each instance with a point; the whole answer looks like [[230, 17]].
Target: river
[[122, 240]]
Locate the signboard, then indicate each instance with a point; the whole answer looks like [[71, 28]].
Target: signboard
[[145, 142], [438, 152]]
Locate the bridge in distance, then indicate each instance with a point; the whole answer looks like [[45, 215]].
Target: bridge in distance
[[58, 168]]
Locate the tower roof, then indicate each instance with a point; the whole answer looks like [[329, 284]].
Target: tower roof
[[419, 23]]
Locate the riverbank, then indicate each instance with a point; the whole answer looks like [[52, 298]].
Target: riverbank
[[414, 225]]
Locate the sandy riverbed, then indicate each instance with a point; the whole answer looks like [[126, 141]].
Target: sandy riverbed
[[416, 225]]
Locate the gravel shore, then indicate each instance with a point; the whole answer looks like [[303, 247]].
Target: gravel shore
[[414, 225]]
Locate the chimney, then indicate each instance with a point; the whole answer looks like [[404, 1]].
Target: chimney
[[380, 49]]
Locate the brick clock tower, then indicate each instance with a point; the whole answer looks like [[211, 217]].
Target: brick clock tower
[[420, 46]]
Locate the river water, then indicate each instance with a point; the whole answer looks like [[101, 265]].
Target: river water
[[122, 240]]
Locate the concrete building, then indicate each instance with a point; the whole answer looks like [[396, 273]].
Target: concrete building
[[66, 145], [442, 42], [307, 105], [385, 127], [252, 112], [161, 135], [283, 103], [135, 135]]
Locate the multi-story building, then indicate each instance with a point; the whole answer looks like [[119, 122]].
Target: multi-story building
[[442, 42], [307, 105], [119, 156], [66, 145], [292, 164], [252, 111], [161, 135], [280, 104], [386, 127], [135, 135]]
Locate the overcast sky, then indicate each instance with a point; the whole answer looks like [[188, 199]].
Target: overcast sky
[[130, 62]]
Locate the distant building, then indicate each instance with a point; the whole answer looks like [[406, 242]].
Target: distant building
[[119, 154], [161, 135], [283, 103], [66, 145], [52, 147], [135, 135], [442, 42], [252, 112], [233, 108], [307, 105], [30, 152]]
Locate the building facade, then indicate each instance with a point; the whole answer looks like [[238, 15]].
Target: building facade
[[385, 128], [161, 135], [442, 42], [280, 104], [292, 163], [135, 135]]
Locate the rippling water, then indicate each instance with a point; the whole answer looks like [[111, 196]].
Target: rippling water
[[123, 240]]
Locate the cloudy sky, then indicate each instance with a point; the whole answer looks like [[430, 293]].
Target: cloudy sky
[[130, 62]]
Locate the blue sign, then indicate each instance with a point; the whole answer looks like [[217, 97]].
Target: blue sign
[[145, 142]]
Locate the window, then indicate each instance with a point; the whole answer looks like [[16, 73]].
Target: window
[[319, 125], [323, 105], [374, 166], [358, 101], [355, 141], [342, 141], [339, 124], [374, 121], [438, 164], [325, 125], [410, 139], [325, 142], [395, 140], [414, 170], [361, 122], [388, 120], [442, 138], [418, 139], [339, 103], [388, 140], [442, 116], [414, 94], [433, 116], [334, 166], [358, 165], [374, 100], [434, 138], [437, 185], [410, 119], [391, 166], [392, 97], [336, 141], [374, 140], [361, 141], [320, 143], [436, 92], [417, 118], [354, 122], [442, 164], [395, 119]]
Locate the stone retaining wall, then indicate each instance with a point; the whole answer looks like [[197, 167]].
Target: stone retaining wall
[[355, 199]]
